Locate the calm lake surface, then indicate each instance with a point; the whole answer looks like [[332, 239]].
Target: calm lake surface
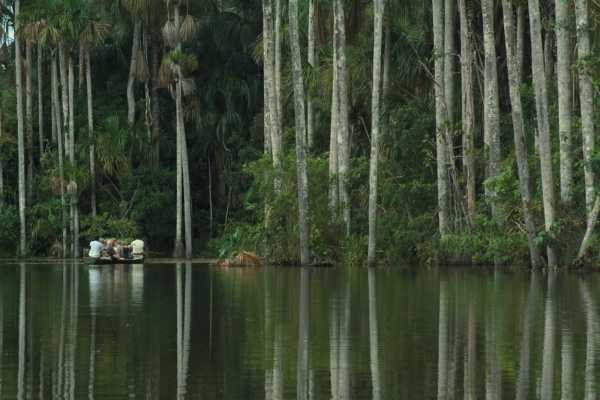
[[163, 331]]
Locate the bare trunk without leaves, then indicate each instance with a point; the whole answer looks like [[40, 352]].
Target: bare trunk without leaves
[[64, 86], [343, 131], [74, 192], [1, 164], [586, 98], [187, 198], [310, 118], [468, 108], [178, 248], [57, 119], [29, 118], [491, 108], [277, 61], [440, 118], [301, 167], [519, 131], [90, 111], [137, 32], [591, 226], [541, 100], [333, 144], [20, 133], [379, 6], [563, 48], [270, 76], [40, 93], [155, 106], [520, 39], [449, 61]]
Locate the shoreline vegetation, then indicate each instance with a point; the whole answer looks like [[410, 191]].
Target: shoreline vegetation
[[340, 132]]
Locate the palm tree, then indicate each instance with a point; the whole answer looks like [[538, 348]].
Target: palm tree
[[519, 131], [563, 60], [343, 130], [541, 102], [20, 133], [29, 117], [586, 99], [440, 119], [301, 163], [310, 118], [379, 6]]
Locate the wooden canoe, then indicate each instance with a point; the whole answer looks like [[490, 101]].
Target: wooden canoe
[[111, 261]]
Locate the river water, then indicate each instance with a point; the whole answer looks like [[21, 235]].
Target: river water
[[166, 331]]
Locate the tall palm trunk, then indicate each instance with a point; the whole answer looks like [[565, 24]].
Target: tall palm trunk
[[40, 93], [586, 99], [90, 111], [563, 48], [155, 106], [64, 86], [277, 62], [520, 40], [57, 120], [440, 118], [310, 118], [468, 108], [541, 100], [449, 61], [378, 6], [519, 131], [137, 32], [343, 131], [491, 121], [29, 118], [73, 185], [333, 143], [271, 97], [301, 167], [20, 132]]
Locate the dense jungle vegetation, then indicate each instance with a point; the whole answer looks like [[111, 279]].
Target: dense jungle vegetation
[[350, 131]]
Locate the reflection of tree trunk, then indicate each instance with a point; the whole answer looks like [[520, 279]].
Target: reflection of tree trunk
[[442, 383], [179, 290], [566, 381], [524, 358], [334, 351], [591, 333], [470, 376], [302, 379], [373, 336], [22, 315], [549, 326], [92, 370], [61, 340], [1, 341], [184, 309]]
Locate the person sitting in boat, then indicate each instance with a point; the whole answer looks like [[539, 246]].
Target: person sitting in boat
[[137, 247], [96, 247]]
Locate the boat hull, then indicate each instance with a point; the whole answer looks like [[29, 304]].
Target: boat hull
[[110, 261]]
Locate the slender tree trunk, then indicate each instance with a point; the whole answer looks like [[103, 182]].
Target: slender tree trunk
[[90, 110], [20, 133], [333, 144], [343, 131], [520, 39], [591, 226], [57, 120], [29, 119], [563, 48], [586, 99], [519, 131], [541, 100], [74, 190], [301, 164], [64, 86], [270, 76], [379, 6], [449, 61], [178, 250], [491, 121], [137, 32], [440, 118], [155, 106], [276, 34], [310, 118], [468, 108], [40, 93], [1, 164], [187, 197]]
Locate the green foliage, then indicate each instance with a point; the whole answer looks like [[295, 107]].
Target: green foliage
[[9, 220], [104, 225]]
